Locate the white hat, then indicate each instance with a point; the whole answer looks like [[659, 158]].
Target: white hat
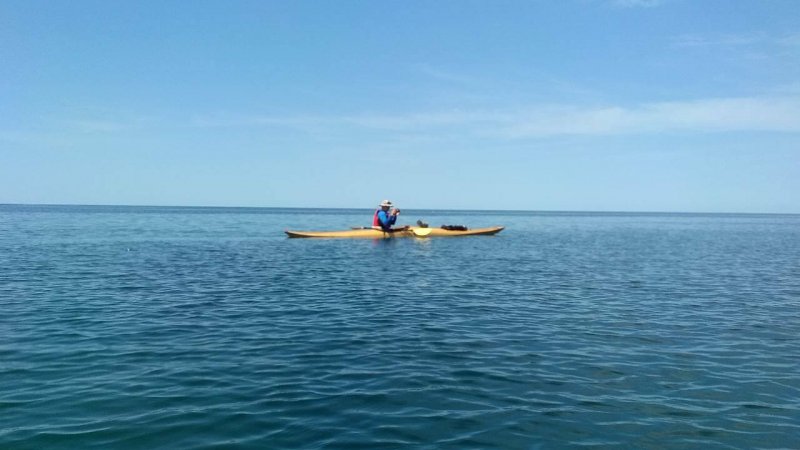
[[386, 203]]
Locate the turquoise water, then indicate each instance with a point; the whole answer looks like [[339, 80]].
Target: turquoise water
[[130, 327]]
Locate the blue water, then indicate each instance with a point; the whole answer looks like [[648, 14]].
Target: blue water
[[131, 327]]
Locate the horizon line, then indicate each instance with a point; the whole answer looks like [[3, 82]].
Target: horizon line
[[556, 211]]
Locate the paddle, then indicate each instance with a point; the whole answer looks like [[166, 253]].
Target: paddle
[[418, 232]]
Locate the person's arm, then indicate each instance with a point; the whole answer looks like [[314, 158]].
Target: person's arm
[[386, 220]]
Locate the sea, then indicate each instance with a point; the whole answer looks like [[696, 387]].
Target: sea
[[127, 327]]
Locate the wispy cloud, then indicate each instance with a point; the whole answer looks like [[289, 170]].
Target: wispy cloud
[[695, 40], [99, 126], [778, 113], [445, 75], [707, 115], [737, 40], [109, 121], [790, 40], [775, 114]]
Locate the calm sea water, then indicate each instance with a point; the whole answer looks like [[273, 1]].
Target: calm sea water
[[129, 327]]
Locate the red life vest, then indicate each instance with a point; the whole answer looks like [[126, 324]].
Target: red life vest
[[375, 221]]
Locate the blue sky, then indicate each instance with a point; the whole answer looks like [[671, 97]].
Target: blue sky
[[601, 105]]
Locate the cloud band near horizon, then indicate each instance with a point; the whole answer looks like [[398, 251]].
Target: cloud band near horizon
[[764, 114], [744, 114]]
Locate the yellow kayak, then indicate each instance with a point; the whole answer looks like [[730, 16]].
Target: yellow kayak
[[371, 233]]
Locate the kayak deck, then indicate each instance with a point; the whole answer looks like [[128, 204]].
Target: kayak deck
[[371, 233]]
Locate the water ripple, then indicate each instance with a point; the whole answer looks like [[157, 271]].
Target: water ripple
[[127, 329]]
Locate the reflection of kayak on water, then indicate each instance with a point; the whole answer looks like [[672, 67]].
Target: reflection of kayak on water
[[371, 233]]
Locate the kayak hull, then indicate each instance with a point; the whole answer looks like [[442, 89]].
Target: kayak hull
[[370, 233]]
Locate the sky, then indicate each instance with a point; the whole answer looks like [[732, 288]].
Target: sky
[[569, 105]]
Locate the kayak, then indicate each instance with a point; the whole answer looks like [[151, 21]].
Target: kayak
[[371, 233]]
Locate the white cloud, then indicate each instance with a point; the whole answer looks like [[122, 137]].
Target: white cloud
[[704, 115], [769, 114], [445, 75], [100, 126], [737, 40], [726, 40], [790, 40], [707, 115]]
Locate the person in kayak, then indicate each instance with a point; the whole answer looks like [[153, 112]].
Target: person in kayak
[[385, 216]]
